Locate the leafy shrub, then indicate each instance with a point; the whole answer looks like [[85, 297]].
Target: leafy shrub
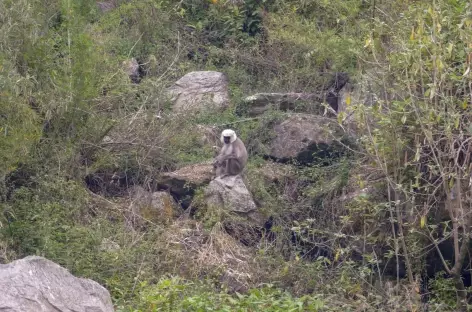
[[442, 292], [175, 294]]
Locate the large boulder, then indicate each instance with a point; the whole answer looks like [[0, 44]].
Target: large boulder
[[35, 284], [230, 200], [305, 137], [200, 90], [183, 182], [151, 207], [230, 193], [259, 103]]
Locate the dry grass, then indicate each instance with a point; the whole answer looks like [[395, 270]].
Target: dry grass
[[209, 252]]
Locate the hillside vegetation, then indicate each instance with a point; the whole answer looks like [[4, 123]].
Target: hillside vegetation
[[384, 225]]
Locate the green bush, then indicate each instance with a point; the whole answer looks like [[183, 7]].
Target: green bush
[[63, 87], [60, 221], [175, 294], [442, 292]]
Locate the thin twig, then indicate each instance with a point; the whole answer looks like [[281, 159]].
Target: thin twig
[[134, 45]]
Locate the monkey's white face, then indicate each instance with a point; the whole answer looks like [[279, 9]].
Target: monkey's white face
[[228, 136]]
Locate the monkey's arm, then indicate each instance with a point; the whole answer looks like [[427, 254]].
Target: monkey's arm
[[222, 158]]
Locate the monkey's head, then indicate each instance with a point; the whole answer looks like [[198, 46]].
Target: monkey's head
[[228, 136]]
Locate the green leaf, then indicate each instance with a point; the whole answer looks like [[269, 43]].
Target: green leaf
[[422, 221], [432, 92], [449, 49], [457, 122]]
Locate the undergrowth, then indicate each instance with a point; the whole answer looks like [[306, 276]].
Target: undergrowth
[[70, 117]]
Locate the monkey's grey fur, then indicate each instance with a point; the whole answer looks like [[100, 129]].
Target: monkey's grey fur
[[233, 155]]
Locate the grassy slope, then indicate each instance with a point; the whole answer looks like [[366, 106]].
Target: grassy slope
[[62, 80]]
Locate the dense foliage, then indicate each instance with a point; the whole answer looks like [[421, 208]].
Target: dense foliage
[[64, 87]]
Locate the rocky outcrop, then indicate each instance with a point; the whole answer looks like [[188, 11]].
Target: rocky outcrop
[[303, 137], [131, 67], [151, 207], [273, 172], [230, 193], [183, 182], [200, 90], [312, 102], [106, 6], [259, 103], [35, 284], [239, 214]]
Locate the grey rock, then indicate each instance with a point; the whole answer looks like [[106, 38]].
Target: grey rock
[[200, 90], [155, 207], [131, 67], [186, 179], [106, 6], [35, 284], [259, 103], [109, 245], [235, 281], [231, 193], [240, 217], [301, 135]]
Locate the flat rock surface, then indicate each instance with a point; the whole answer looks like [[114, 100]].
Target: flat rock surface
[[198, 90]]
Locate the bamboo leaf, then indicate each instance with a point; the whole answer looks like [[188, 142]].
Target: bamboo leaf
[[430, 11], [456, 123], [451, 183], [439, 64], [449, 49], [417, 154], [432, 92], [466, 72]]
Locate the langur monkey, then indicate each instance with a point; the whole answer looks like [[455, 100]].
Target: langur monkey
[[233, 155]]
